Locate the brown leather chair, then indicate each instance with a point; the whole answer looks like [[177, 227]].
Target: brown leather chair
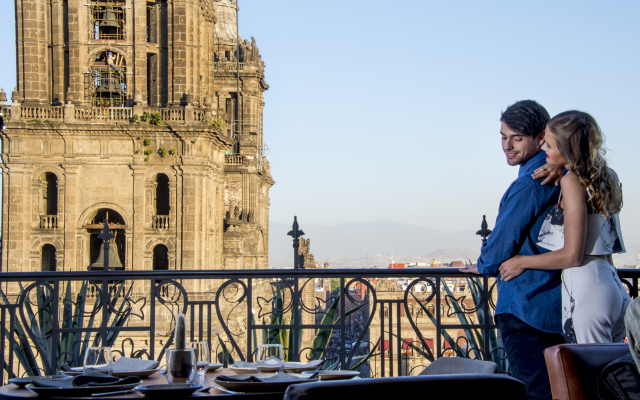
[[574, 368]]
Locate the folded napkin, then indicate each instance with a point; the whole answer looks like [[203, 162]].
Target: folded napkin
[[86, 381], [126, 364], [279, 377], [315, 363]]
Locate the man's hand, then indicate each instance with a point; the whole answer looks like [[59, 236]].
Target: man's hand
[[552, 173], [511, 268], [471, 269]]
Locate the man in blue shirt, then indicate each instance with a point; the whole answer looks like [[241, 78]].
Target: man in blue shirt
[[528, 310]]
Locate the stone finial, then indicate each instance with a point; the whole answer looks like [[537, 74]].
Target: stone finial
[[15, 95], [208, 101], [3, 96], [137, 98]]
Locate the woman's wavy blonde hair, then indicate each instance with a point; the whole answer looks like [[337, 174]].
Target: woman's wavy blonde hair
[[581, 142]]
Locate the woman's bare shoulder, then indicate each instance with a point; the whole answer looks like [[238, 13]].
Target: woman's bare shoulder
[[571, 187]]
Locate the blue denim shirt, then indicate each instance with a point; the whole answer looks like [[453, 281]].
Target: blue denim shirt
[[534, 296]]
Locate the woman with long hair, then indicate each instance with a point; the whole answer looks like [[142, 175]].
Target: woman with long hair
[[583, 230]]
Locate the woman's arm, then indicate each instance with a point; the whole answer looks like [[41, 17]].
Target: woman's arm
[[575, 232]]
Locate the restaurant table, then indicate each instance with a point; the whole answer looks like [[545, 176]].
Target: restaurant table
[[13, 392]]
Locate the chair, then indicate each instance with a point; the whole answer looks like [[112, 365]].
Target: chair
[[451, 387], [458, 365], [574, 368]]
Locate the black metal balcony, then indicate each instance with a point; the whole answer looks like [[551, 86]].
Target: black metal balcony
[[376, 327]]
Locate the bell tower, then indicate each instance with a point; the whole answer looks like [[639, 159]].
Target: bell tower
[[238, 90], [146, 112]]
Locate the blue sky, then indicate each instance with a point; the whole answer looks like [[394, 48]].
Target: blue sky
[[389, 110]]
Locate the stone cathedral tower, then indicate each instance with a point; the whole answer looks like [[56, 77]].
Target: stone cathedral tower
[[145, 112]]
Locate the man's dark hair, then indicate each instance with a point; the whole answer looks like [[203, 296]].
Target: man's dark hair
[[526, 116]]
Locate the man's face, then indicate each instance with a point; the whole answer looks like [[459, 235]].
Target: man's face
[[518, 147]]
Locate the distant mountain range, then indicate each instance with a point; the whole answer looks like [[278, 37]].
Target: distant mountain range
[[353, 240], [358, 244]]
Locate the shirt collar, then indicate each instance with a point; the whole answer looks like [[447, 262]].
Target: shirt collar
[[532, 164]]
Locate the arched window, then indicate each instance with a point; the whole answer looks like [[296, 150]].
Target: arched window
[[163, 206], [50, 194], [109, 84], [160, 258], [49, 261], [117, 251]]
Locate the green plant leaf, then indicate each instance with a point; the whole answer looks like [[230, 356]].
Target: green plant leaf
[[446, 335], [367, 357], [227, 356], [428, 356]]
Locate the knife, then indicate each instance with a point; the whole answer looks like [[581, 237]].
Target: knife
[[112, 393]]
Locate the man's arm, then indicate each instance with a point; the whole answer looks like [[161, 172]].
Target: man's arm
[[521, 204]]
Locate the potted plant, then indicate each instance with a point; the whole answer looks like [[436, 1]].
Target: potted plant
[[181, 362]]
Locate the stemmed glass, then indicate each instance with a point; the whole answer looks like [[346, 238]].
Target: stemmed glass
[[270, 358], [98, 358], [203, 356]]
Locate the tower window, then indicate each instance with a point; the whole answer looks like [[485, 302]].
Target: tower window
[[49, 261], [107, 20], [163, 206], [160, 258], [109, 87], [50, 194]]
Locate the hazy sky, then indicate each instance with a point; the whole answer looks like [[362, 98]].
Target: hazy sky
[[389, 110]]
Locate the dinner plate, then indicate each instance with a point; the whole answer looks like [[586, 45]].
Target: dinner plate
[[335, 375], [214, 366], [22, 382], [174, 389], [119, 374], [239, 370], [297, 368], [260, 386], [77, 391]]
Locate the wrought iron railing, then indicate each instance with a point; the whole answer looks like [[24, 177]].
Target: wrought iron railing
[[368, 322]]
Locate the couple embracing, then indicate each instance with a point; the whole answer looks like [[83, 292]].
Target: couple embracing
[[552, 245]]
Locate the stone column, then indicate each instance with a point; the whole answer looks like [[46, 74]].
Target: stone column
[[57, 43], [137, 230], [75, 261], [33, 57]]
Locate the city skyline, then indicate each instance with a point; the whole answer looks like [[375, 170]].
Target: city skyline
[[381, 111]]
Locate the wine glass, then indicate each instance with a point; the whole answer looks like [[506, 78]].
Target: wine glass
[[98, 358], [203, 356], [181, 366], [270, 358]]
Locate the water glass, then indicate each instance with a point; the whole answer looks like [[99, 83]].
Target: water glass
[[270, 358], [203, 356], [181, 366], [98, 358]]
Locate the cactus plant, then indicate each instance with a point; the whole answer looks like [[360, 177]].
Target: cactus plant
[[180, 332], [181, 365]]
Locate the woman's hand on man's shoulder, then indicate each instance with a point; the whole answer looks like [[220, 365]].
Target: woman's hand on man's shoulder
[[551, 173]]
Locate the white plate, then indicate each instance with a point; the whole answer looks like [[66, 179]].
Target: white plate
[[266, 387], [241, 371], [214, 366], [77, 391], [335, 375], [122, 374]]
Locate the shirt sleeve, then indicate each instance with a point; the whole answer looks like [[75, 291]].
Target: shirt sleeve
[[518, 211]]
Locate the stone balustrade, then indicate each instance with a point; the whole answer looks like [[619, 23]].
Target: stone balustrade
[[228, 66], [233, 160], [48, 222], [160, 222], [70, 113]]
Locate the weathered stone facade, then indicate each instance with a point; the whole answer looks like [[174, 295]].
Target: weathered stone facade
[[142, 111]]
